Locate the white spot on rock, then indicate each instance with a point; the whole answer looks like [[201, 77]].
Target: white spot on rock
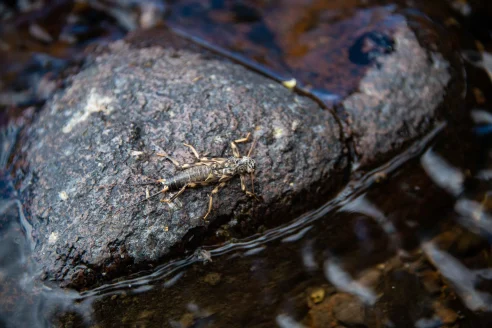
[[278, 132], [53, 238], [295, 124], [63, 195], [290, 84], [95, 103], [136, 153]]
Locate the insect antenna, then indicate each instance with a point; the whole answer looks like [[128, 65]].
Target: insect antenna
[[141, 183], [252, 146]]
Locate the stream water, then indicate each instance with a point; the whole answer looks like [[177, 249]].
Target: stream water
[[405, 245]]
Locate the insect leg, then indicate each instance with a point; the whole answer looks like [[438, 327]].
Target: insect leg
[[214, 191], [200, 159], [172, 160], [175, 195], [176, 163], [243, 184], [193, 150], [235, 151], [249, 193], [243, 187], [245, 139]]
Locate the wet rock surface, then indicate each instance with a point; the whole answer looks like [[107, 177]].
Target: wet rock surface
[[402, 97], [145, 96], [100, 134]]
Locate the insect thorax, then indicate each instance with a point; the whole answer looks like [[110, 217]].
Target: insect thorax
[[242, 165]]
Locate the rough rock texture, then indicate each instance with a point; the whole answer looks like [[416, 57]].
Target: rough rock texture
[[399, 98], [100, 134]]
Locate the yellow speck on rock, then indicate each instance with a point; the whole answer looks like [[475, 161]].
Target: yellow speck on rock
[[317, 295], [278, 132], [212, 278], [63, 195], [291, 84]]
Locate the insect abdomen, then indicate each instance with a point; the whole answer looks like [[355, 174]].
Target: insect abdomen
[[195, 174]]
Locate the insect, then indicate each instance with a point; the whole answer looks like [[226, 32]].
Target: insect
[[207, 171]]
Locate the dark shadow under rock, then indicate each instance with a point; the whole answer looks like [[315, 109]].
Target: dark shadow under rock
[[101, 133]]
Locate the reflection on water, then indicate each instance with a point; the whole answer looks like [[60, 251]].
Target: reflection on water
[[24, 300], [463, 279], [405, 245], [360, 251]]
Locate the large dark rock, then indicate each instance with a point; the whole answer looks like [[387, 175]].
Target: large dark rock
[[100, 133], [136, 98]]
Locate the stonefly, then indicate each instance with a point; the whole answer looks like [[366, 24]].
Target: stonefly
[[207, 171]]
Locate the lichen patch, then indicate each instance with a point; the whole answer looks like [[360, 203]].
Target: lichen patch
[[95, 103]]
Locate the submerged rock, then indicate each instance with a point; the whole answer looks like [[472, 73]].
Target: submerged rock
[[99, 137]]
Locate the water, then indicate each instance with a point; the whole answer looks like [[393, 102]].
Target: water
[[360, 233], [404, 245]]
